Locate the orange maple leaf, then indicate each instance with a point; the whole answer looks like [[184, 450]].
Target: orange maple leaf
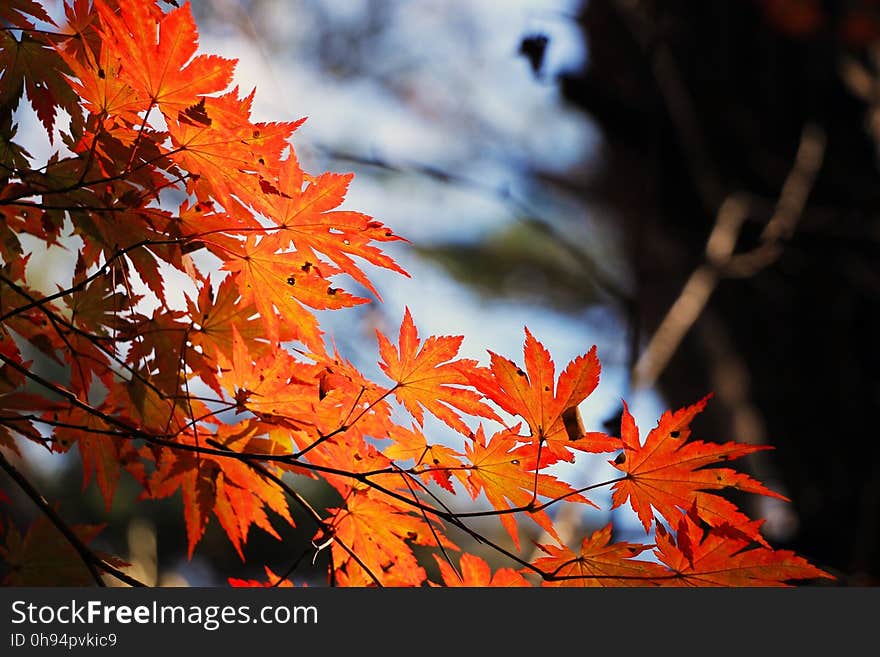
[[278, 284], [668, 473], [158, 53], [475, 572], [235, 493], [428, 376], [381, 533], [722, 556], [435, 462], [309, 219], [217, 313], [98, 82], [548, 408], [267, 385], [499, 468], [227, 156], [599, 563]]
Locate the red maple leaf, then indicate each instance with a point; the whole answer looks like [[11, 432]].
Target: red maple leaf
[[668, 473], [599, 563], [158, 52], [475, 572], [549, 408], [726, 556], [429, 376]]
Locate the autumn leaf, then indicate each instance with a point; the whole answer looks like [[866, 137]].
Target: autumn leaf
[[429, 377], [726, 556], [668, 473], [545, 405], [219, 312], [434, 462], [307, 217], [600, 562], [381, 534], [19, 13], [31, 64], [224, 153], [498, 469], [98, 81], [475, 572], [269, 385], [158, 52], [231, 490], [280, 284], [104, 452]]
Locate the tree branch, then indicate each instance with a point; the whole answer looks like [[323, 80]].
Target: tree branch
[[91, 560]]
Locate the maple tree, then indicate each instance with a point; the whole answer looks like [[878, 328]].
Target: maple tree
[[161, 175]]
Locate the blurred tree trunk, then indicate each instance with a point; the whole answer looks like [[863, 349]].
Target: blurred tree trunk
[[699, 102]]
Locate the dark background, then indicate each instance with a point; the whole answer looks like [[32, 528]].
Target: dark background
[[698, 101]]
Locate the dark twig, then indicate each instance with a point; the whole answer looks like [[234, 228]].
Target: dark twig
[[91, 560]]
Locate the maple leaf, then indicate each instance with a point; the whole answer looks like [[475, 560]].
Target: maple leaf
[[223, 153], [235, 493], [668, 473], [140, 232], [16, 13], [475, 572], [381, 533], [218, 313], [31, 64], [436, 462], [32, 323], [272, 386], [12, 382], [158, 52], [160, 346], [599, 563], [96, 303], [98, 81], [278, 284], [726, 556], [547, 407], [104, 452], [308, 219], [498, 468], [429, 377]]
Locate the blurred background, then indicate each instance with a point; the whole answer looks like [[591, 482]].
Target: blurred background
[[692, 187]]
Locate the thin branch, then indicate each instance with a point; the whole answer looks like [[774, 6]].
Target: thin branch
[[91, 560], [304, 504], [721, 261], [101, 271]]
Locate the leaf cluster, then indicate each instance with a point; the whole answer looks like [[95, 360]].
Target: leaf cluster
[[220, 387]]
